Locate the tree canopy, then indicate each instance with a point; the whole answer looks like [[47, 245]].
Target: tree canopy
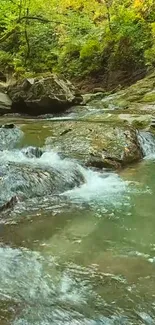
[[76, 37]]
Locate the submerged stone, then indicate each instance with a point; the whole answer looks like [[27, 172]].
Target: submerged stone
[[32, 152]]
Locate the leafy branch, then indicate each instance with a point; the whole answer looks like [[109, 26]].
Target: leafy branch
[[42, 20]]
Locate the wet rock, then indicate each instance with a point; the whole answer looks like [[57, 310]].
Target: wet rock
[[91, 97], [49, 95], [149, 97], [153, 123], [28, 181], [97, 144], [9, 204], [138, 121], [32, 152], [8, 126], [2, 77], [135, 96], [5, 103]]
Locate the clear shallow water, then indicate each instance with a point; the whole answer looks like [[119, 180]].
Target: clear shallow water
[[84, 257]]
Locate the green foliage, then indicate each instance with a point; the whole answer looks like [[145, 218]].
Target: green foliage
[[90, 49], [150, 51], [6, 60], [76, 37], [131, 40]]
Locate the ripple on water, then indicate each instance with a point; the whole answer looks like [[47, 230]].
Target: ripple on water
[[51, 293], [114, 290]]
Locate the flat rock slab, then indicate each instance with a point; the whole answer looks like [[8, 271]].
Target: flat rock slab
[[96, 144]]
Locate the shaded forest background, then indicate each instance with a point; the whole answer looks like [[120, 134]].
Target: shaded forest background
[[80, 39]]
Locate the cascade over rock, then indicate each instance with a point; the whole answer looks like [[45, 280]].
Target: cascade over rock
[[28, 181]]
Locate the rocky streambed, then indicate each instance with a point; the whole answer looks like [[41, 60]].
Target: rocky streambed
[[77, 212], [102, 131]]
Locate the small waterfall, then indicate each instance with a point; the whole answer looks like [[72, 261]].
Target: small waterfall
[[147, 144], [37, 173], [31, 177], [26, 174]]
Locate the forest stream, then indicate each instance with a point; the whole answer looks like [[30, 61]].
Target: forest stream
[[83, 253]]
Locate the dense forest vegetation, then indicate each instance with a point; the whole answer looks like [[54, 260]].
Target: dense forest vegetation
[[76, 37]]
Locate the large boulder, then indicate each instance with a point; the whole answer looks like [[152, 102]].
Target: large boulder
[[5, 103], [37, 96], [96, 144]]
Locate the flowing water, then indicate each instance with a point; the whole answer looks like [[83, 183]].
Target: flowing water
[[75, 254]]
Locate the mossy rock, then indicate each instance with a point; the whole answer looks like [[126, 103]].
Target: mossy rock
[[140, 125], [121, 103], [35, 96], [149, 97], [97, 144], [87, 98], [135, 120]]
